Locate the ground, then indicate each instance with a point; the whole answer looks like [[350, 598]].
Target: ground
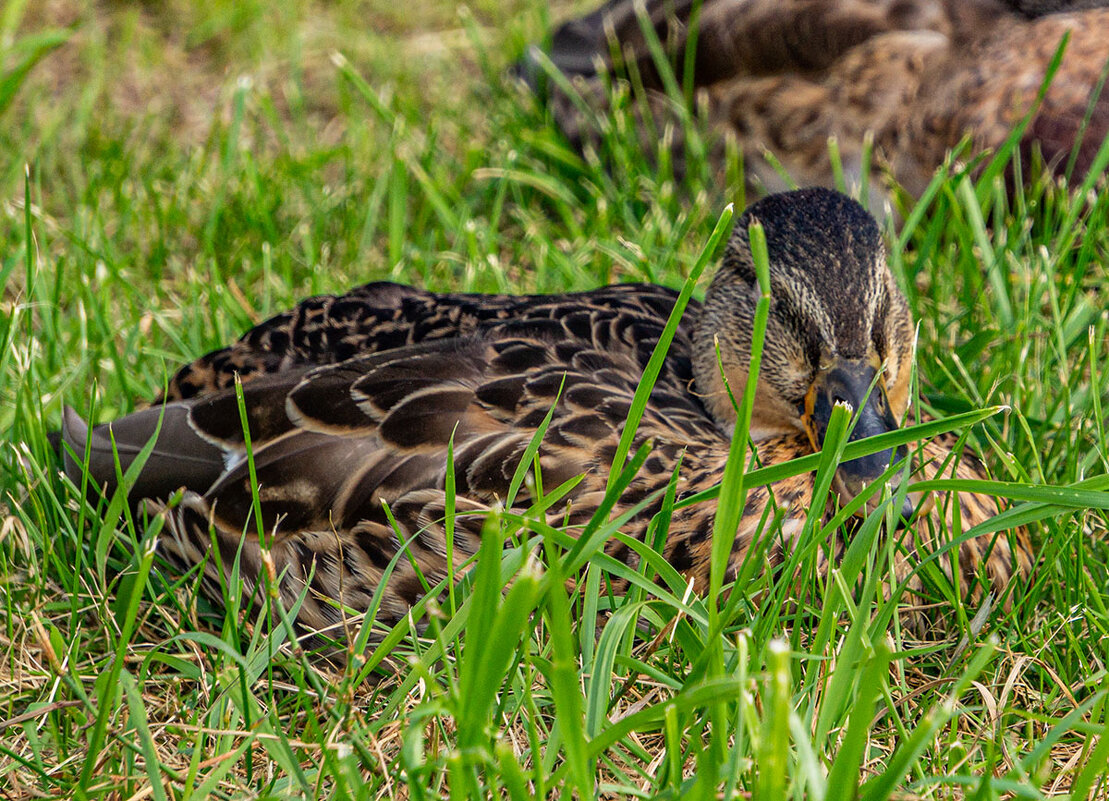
[[180, 170]]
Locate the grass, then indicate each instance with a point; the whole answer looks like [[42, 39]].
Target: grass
[[268, 168]]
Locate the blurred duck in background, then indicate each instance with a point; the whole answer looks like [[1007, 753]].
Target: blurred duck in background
[[778, 78]]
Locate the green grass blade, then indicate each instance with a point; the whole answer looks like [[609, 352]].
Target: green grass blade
[[658, 356]]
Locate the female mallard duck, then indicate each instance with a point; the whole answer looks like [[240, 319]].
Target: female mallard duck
[[353, 401], [782, 76]]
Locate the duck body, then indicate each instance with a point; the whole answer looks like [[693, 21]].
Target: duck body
[[783, 76], [354, 404]]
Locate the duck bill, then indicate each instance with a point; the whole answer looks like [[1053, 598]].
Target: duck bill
[[851, 381]]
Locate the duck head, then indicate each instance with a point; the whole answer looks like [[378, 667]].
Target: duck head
[[839, 329]]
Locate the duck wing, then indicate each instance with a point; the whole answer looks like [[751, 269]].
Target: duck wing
[[337, 450], [381, 316]]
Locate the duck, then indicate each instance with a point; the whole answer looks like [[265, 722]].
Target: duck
[[779, 78], [355, 402]]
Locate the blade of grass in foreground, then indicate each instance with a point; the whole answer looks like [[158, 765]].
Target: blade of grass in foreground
[[141, 726], [852, 450], [773, 751], [843, 779], [565, 686], [733, 492], [1097, 765], [654, 364], [493, 635], [732, 486], [110, 688]]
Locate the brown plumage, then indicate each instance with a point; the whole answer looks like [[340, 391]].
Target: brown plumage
[[920, 75], [353, 400]]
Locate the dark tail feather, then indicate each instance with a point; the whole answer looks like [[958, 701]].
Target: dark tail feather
[[180, 457]]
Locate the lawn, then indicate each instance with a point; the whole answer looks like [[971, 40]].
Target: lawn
[[177, 171]]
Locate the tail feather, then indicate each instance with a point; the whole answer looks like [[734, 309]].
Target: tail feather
[[180, 457]]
